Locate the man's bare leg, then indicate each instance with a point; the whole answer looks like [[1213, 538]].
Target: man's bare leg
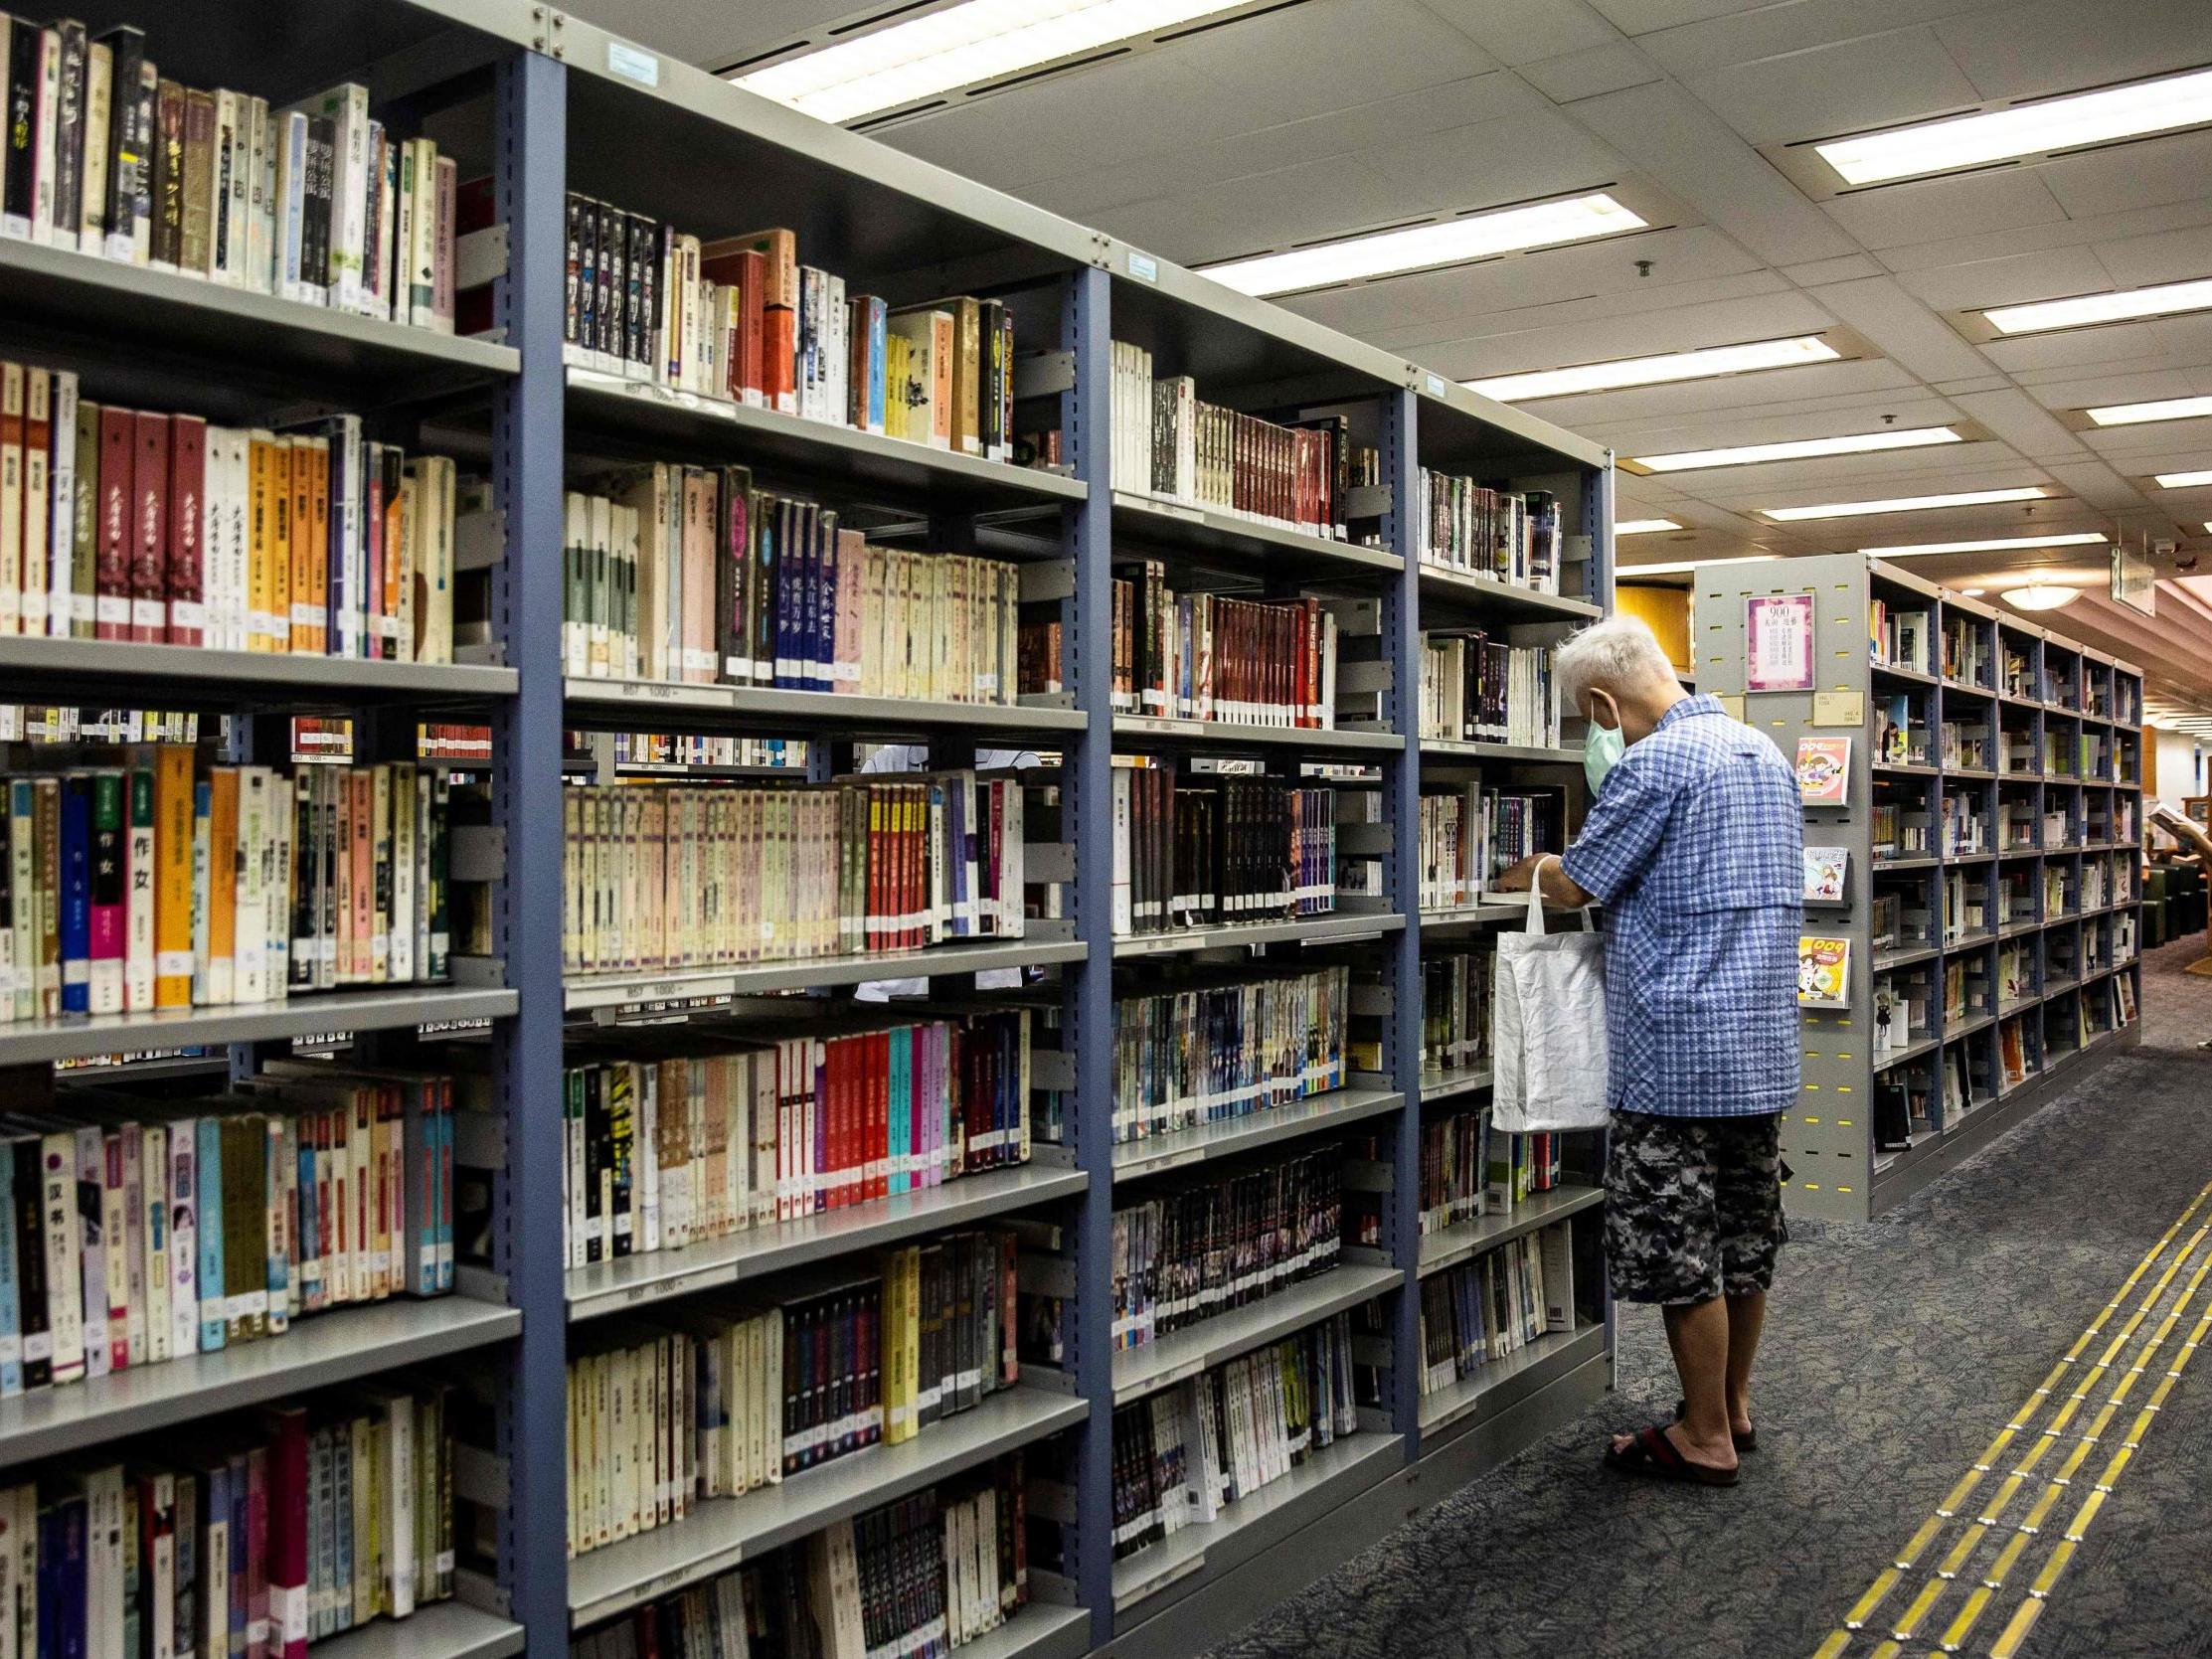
[[1747, 1316], [1698, 1332]]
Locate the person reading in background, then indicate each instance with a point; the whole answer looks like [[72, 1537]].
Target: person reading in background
[[1693, 842]]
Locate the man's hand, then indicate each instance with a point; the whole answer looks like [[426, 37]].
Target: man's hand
[[1559, 888], [1515, 878]]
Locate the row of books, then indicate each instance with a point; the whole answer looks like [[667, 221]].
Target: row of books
[[313, 202], [47, 726], [1471, 834], [1456, 1008], [139, 525], [726, 1401], [1183, 1455], [671, 1150], [1481, 1311], [1900, 638], [660, 877], [166, 885], [1205, 1052], [1487, 532], [1214, 1239], [1967, 650], [1196, 852], [929, 1572], [1295, 475], [275, 1530], [1203, 656], [132, 1233], [740, 318], [690, 574], [1469, 1170], [669, 751], [1473, 687]]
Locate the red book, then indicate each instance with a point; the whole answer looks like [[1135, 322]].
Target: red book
[[111, 567], [286, 1506], [188, 470], [150, 529], [846, 1157], [876, 1103]]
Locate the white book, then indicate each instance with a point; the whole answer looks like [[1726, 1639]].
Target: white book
[[346, 107], [99, 80], [60, 558], [44, 121], [288, 142], [261, 141], [252, 966], [184, 1237]]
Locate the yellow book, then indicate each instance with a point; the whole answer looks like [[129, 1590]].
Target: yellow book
[[298, 623], [261, 469], [172, 877], [223, 802], [279, 556]]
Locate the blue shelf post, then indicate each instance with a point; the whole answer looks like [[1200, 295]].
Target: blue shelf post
[[1086, 819], [530, 143], [1401, 619]]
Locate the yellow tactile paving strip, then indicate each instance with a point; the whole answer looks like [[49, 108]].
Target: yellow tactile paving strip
[[2024, 1526]]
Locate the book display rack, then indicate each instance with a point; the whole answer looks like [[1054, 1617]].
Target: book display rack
[[1972, 785], [865, 1063]]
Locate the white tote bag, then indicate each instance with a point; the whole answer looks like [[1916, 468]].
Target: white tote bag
[[1548, 1029]]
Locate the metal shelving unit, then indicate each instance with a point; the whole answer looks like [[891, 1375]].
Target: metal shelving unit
[[553, 105], [1833, 1138]]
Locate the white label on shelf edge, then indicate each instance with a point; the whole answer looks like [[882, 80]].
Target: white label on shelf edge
[[1143, 266], [632, 63], [1435, 385]]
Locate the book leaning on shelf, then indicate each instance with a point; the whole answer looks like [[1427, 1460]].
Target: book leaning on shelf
[[935, 1570], [660, 877], [733, 1399], [158, 528], [689, 574], [1169, 1271], [1499, 533], [1206, 657], [314, 202], [1295, 475], [666, 1151], [1184, 1455], [1202, 852], [278, 1528], [201, 1223], [1201, 1053], [1479, 1312], [740, 318], [165, 884], [1473, 687]]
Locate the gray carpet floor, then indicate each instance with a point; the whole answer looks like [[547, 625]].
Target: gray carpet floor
[[1894, 1352]]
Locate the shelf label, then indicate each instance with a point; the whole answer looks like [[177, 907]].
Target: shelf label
[[1435, 385], [632, 63], [1143, 266]]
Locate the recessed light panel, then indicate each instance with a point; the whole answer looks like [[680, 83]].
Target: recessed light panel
[[1800, 449], [1644, 526], [2166, 300], [1449, 241], [2063, 124], [2183, 480], [2158, 409], [1989, 544], [1661, 369], [1903, 504]]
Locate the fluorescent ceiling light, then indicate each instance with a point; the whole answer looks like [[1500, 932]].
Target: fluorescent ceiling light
[[2040, 129], [2183, 480], [2041, 595], [1973, 593], [2158, 409], [1449, 242], [1644, 526], [1807, 449], [1989, 544], [961, 46], [1903, 504], [1676, 567], [2162, 301], [1657, 371]]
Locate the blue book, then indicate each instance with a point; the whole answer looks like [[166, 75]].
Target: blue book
[[901, 1109], [821, 667], [873, 320], [214, 1589], [213, 1306], [310, 1229], [11, 1288], [443, 1174], [70, 1579], [790, 596], [241, 1486], [76, 894]]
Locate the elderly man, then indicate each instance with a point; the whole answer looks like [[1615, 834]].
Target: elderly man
[[1693, 843]]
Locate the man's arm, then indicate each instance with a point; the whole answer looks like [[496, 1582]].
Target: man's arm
[[1559, 888]]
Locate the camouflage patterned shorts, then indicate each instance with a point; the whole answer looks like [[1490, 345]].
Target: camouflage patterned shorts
[[1693, 1206]]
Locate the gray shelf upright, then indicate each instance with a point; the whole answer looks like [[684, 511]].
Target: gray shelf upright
[[1840, 1168]]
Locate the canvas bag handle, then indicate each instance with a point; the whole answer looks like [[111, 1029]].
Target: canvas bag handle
[[1536, 899]]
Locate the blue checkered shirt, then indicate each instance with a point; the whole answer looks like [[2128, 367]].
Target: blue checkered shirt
[[1695, 847]]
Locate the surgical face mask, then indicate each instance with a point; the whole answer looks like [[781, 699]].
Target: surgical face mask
[[1601, 748]]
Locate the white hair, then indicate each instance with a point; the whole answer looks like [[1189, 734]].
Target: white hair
[[1614, 654]]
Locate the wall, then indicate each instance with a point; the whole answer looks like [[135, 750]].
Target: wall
[[1667, 611], [2174, 767]]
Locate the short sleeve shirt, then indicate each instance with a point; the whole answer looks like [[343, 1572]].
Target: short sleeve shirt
[[1695, 846]]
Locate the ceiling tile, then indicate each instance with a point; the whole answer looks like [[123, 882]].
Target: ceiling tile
[[2020, 421], [1979, 382], [1903, 327], [2159, 257], [1638, 16], [1812, 93], [1726, 395], [1749, 34], [1581, 75], [2056, 46], [1495, 162], [2072, 233], [1908, 213], [1263, 70], [2098, 484], [1239, 215], [1657, 324], [1524, 30], [2146, 174], [1832, 270], [2052, 274]]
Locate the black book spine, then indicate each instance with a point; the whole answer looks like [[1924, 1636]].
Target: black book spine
[[168, 171], [608, 282], [595, 1164], [18, 174], [68, 134], [33, 1316], [644, 257], [795, 1386], [571, 316]]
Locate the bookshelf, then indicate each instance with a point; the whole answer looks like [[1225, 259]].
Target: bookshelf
[[550, 105], [1993, 829]]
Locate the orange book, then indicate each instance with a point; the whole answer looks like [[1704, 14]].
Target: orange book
[[722, 261], [295, 622], [317, 596], [173, 876], [279, 559], [222, 882]]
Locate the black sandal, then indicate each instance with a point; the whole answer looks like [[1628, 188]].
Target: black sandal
[[1653, 1453], [1746, 1441]]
